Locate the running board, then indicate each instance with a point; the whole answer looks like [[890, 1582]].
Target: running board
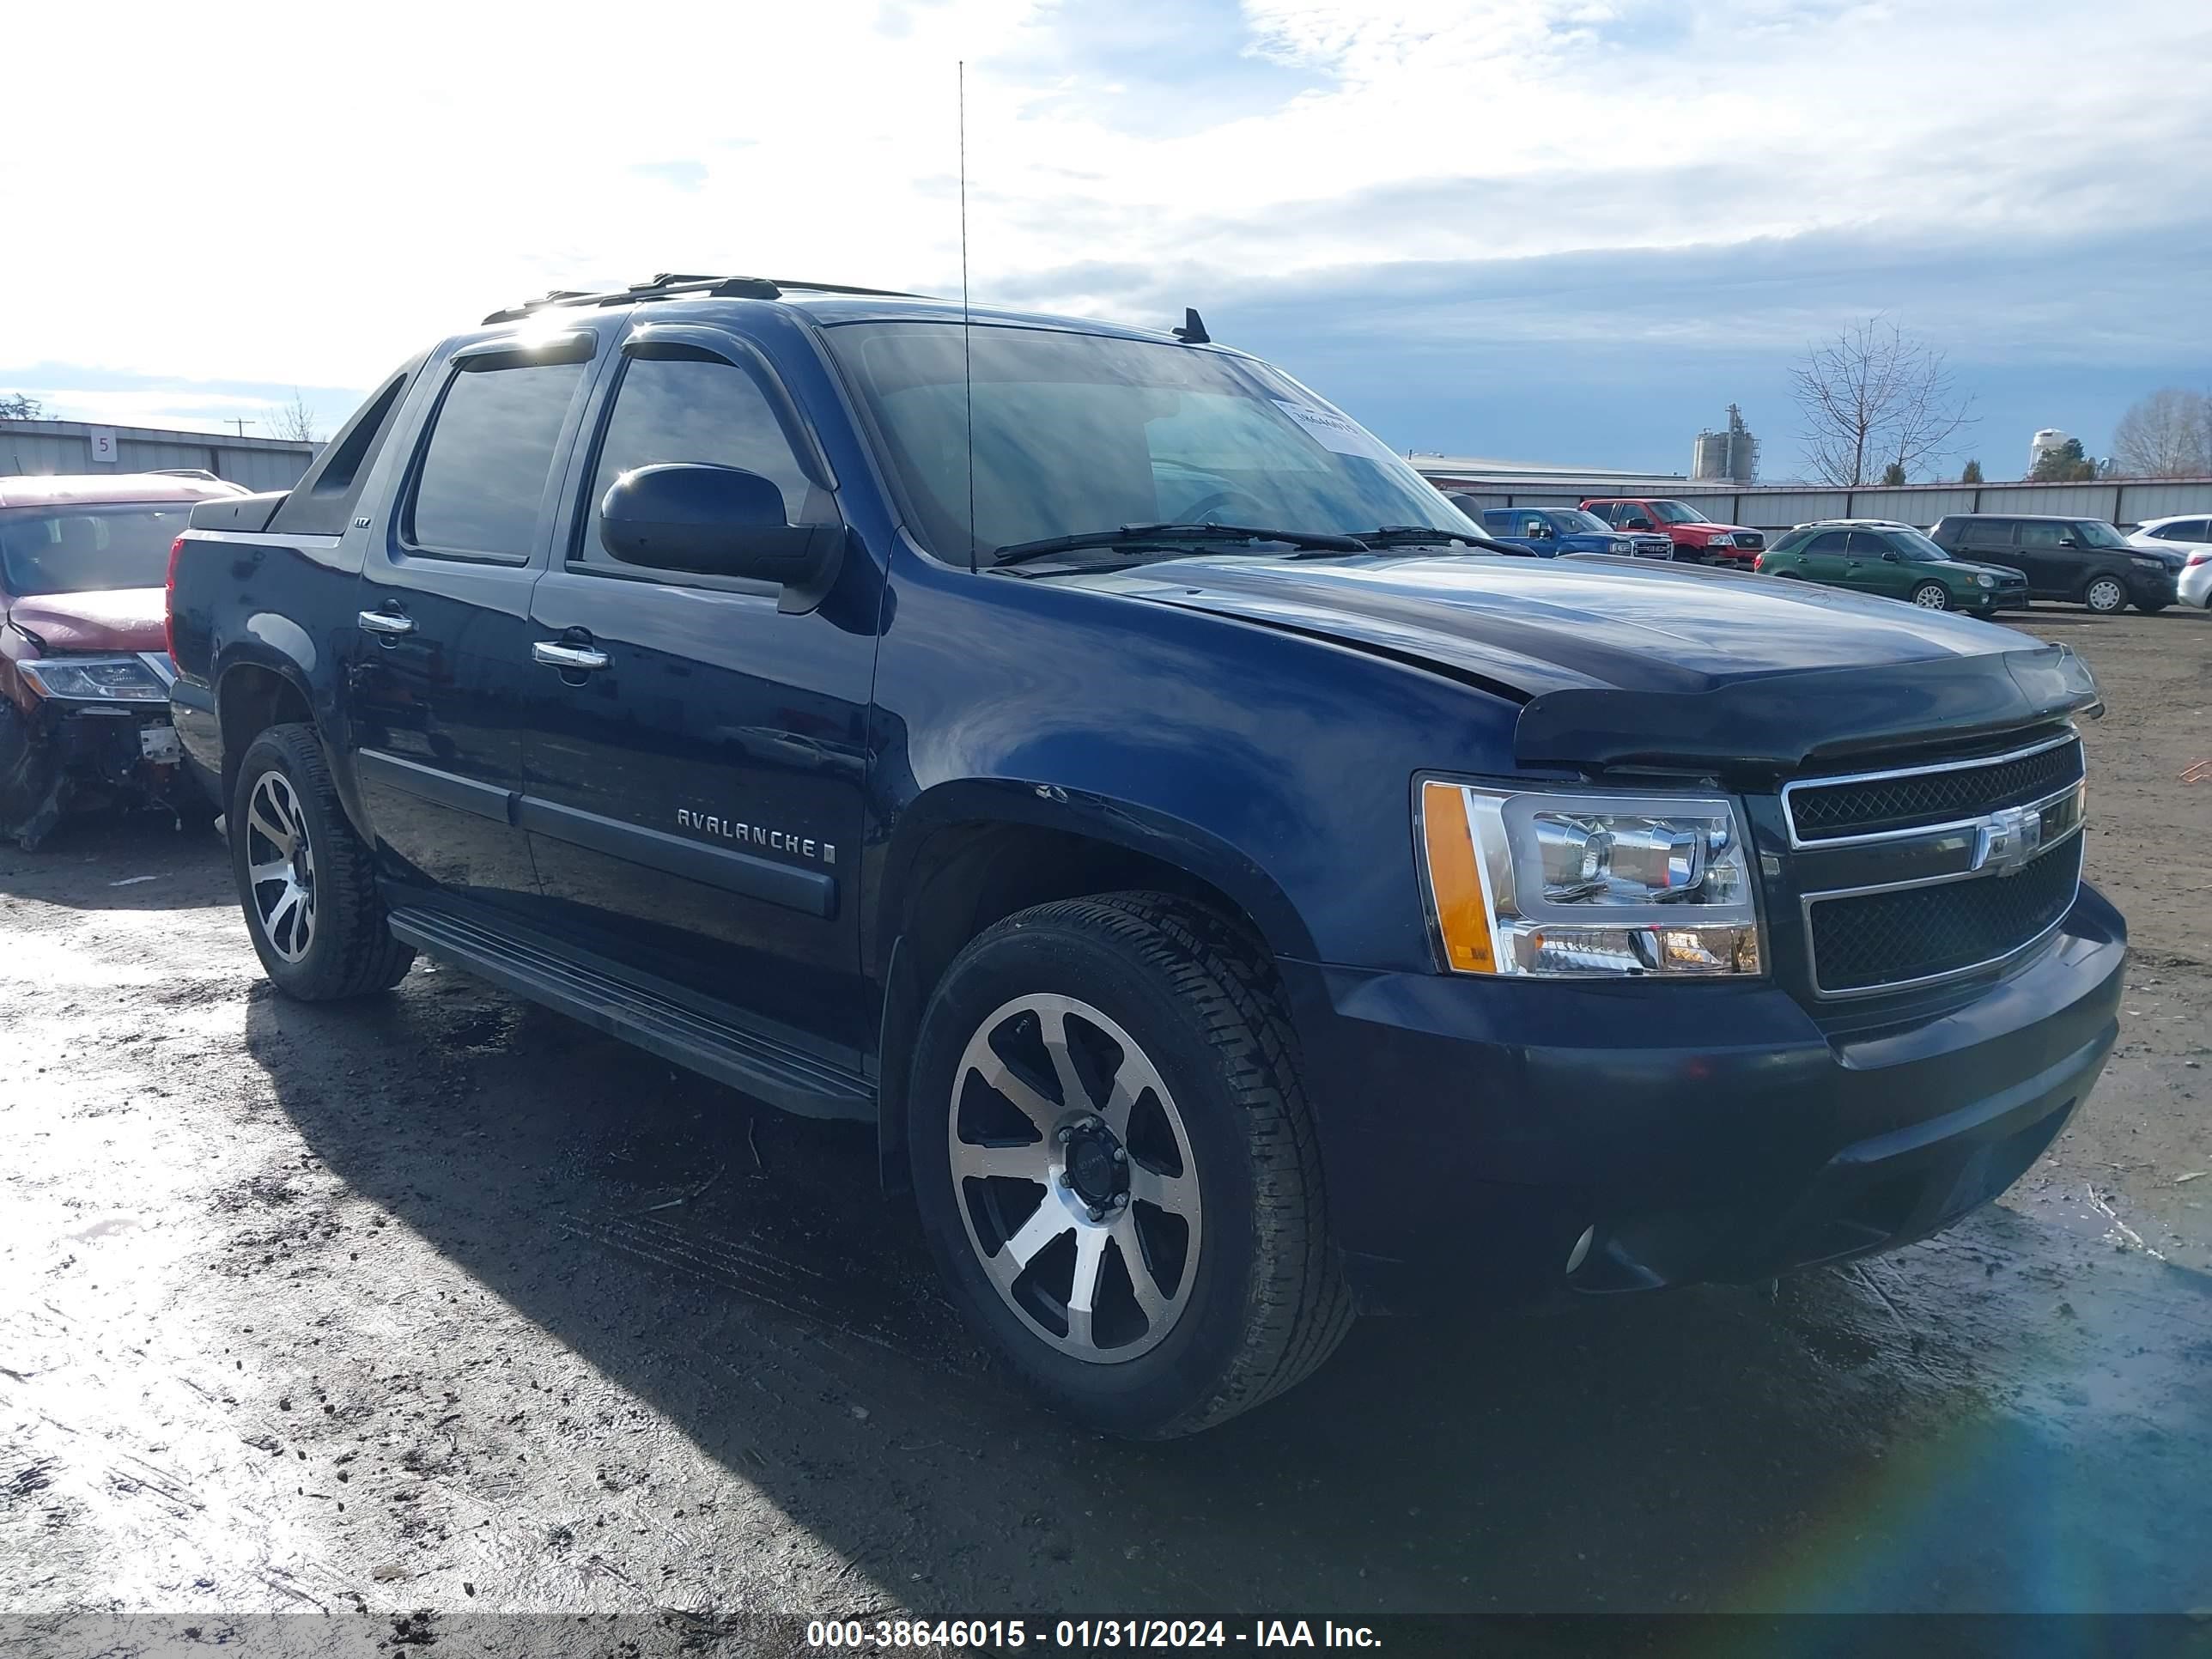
[[771, 1071]]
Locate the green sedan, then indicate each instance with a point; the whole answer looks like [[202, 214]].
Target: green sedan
[[1894, 561]]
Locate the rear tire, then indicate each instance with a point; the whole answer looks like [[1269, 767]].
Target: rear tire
[[2104, 595], [1932, 596], [305, 879], [1190, 1161]]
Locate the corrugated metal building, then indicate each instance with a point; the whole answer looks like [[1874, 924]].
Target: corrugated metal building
[[43, 447], [2122, 501]]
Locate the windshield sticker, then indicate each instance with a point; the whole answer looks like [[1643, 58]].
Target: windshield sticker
[[1334, 431]]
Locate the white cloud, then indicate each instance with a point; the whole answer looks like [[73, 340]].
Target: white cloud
[[307, 195]]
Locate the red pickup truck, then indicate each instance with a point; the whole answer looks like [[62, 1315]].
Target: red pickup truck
[[1694, 535]]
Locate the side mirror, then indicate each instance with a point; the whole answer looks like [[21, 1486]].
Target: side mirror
[[1637, 523], [2068, 541], [1539, 531], [718, 522], [1889, 555]]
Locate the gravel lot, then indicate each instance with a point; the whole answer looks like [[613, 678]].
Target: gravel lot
[[442, 1303]]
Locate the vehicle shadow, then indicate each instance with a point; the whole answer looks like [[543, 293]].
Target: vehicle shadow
[[1921, 1432], [143, 862]]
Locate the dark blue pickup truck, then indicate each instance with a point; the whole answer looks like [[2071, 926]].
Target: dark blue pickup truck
[[1237, 895]]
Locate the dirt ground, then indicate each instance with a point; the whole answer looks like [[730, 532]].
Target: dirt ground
[[440, 1307]]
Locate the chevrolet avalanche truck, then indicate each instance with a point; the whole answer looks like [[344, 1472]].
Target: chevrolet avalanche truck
[[1235, 895]]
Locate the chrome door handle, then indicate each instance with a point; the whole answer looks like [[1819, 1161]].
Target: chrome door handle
[[554, 654], [385, 621]]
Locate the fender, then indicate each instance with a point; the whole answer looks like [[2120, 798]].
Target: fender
[[1068, 808]]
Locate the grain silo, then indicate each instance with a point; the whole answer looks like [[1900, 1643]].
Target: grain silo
[[1729, 456]]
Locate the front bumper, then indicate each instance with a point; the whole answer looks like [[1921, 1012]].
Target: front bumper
[[1472, 1130], [2151, 588]]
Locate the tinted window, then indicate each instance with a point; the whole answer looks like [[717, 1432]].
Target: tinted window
[[89, 550], [1987, 532], [2188, 530], [1829, 541], [1573, 521], [2042, 535], [489, 453], [2095, 533], [696, 409]]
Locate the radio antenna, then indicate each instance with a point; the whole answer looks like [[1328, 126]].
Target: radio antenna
[[967, 362]]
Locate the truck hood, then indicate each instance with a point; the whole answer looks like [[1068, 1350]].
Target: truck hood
[[124, 619], [1619, 664]]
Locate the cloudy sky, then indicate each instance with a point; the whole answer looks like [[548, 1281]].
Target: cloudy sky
[[1568, 230]]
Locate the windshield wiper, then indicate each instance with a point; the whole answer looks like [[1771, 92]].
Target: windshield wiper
[[1145, 535], [1414, 535]]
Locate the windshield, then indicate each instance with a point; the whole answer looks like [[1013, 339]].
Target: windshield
[[1573, 521], [88, 549], [1916, 548], [1675, 513], [1077, 432], [2095, 533]]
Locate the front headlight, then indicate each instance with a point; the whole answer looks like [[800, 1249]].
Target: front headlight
[[1577, 885], [94, 680], [1985, 581], [2148, 564], [1624, 546]]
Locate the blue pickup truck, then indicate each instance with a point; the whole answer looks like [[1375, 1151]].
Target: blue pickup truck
[[1235, 895], [1549, 532]]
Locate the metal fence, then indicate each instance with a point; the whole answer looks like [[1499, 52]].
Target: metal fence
[[47, 447], [2123, 501]]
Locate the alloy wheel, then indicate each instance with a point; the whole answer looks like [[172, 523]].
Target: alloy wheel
[[1075, 1179], [280, 866], [1930, 595]]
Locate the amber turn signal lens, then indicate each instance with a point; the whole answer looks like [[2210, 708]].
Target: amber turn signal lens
[[1456, 880]]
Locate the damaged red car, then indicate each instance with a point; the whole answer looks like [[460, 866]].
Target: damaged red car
[[84, 665]]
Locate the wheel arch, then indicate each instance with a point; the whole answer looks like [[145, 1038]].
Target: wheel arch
[[250, 696], [967, 857]]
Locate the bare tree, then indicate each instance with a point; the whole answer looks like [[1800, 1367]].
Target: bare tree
[[21, 406], [2168, 434], [294, 421], [1875, 398]]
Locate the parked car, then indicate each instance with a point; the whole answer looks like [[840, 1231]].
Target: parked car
[[1692, 534], [2082, 559], [1870, 555], [2174, 540], [1548, 532], [84, 671], [2194, 586], [1228, 912]]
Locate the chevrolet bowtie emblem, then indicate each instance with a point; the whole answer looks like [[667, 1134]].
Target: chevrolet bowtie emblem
[[2006, 840]]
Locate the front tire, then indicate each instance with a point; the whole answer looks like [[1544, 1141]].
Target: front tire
[[2104, 595], [305, 879], [1115, 1165], [1932, 596], [2152, 609]]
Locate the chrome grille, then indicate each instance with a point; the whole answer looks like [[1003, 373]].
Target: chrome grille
[[1921, 873], [1872, 940], [1919, 797]]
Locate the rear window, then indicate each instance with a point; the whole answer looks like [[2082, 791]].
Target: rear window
[[88, 549], [491, 451]]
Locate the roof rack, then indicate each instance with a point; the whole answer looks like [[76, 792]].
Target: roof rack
[[669, 283]]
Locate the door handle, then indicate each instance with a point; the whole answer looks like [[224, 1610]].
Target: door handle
[[386, 622], [554, 654]]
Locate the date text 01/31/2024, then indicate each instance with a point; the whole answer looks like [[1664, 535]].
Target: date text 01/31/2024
[[1085, 1635]]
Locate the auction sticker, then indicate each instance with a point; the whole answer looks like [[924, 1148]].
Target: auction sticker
[[1333, 431]]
